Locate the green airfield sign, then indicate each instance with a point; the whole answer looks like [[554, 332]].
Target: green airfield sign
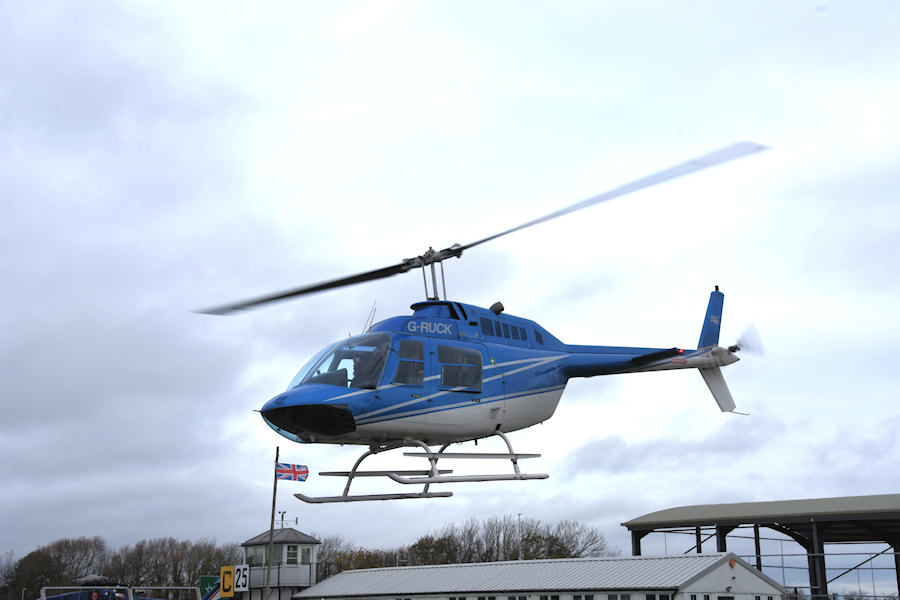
[[207, 583]]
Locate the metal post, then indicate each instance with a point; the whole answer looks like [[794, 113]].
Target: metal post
[[756, 547], [434, 283], [813, 575], [636, 542], [518, 516], [896, 565], [818, 563], [271, 527], [721, 533], [699, 541]]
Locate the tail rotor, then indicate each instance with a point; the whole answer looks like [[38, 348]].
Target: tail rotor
[[749, 342]]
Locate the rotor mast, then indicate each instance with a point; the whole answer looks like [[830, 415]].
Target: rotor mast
[[430, 258]]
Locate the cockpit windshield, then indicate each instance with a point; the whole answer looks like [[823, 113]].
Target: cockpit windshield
[[356, 362]]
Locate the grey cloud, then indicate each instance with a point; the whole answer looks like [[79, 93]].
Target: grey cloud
[[614, 454]]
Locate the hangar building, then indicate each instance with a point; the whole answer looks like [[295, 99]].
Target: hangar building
[[812, 523], [721, 576]]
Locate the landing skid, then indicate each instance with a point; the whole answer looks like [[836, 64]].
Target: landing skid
[[424, 477]]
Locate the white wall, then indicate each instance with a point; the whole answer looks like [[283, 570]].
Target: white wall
[[745, 583]]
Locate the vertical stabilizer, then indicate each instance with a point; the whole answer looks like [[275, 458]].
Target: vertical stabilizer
[[718, 387], [709, 335]]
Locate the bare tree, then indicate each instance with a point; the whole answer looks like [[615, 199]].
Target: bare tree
[[500, 538], [167, 561], [58, 563], [78, 557], [329, 549], [128, 564], [7, 567], [581, 540], [509, 538], [471, 543]]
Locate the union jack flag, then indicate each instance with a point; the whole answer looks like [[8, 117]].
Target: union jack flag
[[291, 472]]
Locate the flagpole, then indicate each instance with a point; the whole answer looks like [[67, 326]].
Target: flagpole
[[272, 529]]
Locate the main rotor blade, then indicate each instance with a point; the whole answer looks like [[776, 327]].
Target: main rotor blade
[[309, 289], [718, 157]]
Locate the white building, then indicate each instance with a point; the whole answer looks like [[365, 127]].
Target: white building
[[294, 558], [721, 576]]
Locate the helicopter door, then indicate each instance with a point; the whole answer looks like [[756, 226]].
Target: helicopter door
[[458, 384]]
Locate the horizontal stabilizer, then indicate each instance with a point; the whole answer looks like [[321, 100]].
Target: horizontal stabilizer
[[718, 387], [646, 359]]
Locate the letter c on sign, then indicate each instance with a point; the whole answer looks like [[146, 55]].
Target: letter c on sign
[[226, 580]]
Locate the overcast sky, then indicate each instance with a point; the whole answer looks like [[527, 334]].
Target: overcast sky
[[161, 157]]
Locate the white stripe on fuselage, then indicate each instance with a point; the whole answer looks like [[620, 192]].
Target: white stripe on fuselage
[[535, 362], [367, 419], [463, 422]]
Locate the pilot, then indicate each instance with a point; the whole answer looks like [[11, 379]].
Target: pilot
[[367, 368], [359, 366]]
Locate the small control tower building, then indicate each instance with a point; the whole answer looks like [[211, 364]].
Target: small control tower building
[[294, 559]]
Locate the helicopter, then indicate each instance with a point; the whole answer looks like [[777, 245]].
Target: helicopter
[[453, 372]]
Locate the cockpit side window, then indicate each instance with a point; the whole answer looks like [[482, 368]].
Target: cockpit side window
[[356, 362], [487, 326], [411, 367], [460, 368]]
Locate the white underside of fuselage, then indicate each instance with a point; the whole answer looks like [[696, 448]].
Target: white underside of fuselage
[[464, 421]]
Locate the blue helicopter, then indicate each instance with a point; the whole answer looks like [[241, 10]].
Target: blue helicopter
[[453, 372]]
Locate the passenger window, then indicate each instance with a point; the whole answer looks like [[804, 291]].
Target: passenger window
[[538, 337], [460, 367], [506, 330], [523, 333], [487, 327], [515, 332], [411, 367]]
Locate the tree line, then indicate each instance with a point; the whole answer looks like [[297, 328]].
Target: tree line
[[170, 562], [156, 562], [492, 539]]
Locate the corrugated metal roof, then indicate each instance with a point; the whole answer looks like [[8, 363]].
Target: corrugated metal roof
[[620, 573], [775, 511], [285, 535]]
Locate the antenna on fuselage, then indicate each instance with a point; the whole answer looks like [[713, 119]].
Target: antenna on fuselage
[[370, 319]]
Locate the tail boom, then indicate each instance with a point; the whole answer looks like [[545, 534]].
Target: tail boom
[[708, 358]]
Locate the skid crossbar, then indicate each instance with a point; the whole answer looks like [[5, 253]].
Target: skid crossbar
[[378, 473], [424, 477], [471, 455], [368, 497], [467, 478]]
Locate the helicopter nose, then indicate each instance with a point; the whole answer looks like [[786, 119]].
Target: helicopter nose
[[321, 419]]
